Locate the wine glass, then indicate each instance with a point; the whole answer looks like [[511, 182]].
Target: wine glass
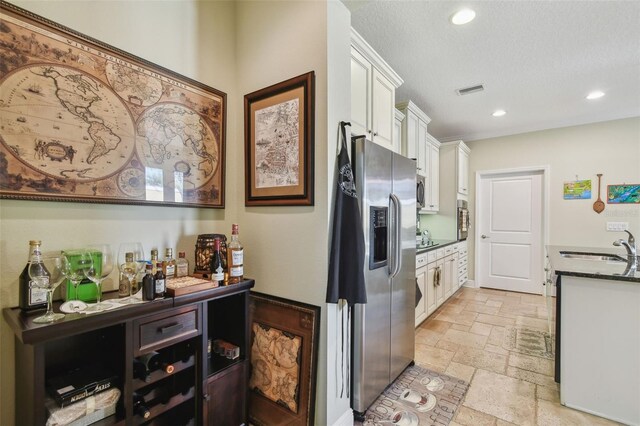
[[74, 272], [47, 274], [98, 270], [130, 262]]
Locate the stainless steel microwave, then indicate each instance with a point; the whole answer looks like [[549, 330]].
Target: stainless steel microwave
[[420, 193]]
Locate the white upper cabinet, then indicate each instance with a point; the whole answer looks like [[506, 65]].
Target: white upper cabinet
[[373, 94], [432, 183], [414, 136], [463, 169], [397, 125]]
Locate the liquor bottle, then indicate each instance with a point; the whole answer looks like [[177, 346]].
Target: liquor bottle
[[235, 257], [217, 270], [160, 281], [169, 264], [148, 284], [156, 361], [140, 406], [123, 287], [182, 265], [32, 297], [154, 260]]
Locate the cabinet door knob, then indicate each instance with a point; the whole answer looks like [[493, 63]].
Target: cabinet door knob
[[206, 397], [375, 133]]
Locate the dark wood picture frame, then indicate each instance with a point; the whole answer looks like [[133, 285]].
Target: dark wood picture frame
[[298, 321], [279, 143], [87, 122]]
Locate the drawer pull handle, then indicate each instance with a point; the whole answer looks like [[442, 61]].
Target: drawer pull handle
[[171, 328]]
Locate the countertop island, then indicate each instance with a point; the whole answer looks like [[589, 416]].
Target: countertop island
[[597, 331]]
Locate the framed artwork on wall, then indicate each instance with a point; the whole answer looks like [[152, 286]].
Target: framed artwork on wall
[[623, 194], [577, 190], [284, 358], [85, 121], [279, 143]]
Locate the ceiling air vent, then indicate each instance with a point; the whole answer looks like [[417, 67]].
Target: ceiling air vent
[[471, 89]]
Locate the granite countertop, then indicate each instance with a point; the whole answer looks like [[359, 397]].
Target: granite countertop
[[589, 268], [439, 243]]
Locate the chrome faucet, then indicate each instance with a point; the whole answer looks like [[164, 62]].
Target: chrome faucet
[[630, 245]]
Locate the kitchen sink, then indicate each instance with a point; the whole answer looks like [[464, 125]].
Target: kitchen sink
[[592, 256]]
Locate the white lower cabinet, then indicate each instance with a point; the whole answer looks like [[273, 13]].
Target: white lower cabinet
[[463, 270], [436, 279]]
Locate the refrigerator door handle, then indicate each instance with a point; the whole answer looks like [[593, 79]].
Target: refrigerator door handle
[[397, 245]]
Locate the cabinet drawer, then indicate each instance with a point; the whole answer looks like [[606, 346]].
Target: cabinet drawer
[[462, 261], [440, 253], [161, 330], [462, 270], [463, 279], [421, 260], [431, 256], [448, 250], [456, 247]]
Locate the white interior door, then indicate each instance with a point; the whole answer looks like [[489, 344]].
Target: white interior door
[[510, 231]]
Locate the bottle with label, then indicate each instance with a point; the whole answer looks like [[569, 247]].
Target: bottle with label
[[235, 257], [182, 265], [148, 284], [31, 297], [154, 260], [169, 264], [217, 270], [123, 288], [160, 282]]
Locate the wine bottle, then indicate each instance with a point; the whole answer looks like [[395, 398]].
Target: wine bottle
[[235, 257], [156, 361], [217, 270], [161, 281], [140, 370], [148, 284], [169, 264], [140, 406], [32, 297], [182, 265]]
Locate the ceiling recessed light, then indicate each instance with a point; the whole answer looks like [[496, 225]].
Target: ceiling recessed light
[[595, 95], [499, 113], [463, 16]]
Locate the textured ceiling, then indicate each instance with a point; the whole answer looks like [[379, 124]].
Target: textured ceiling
[[537, 60]]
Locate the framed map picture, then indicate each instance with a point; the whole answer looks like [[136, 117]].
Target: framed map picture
[[623, 194], [83, 121], [279, 131], [284, 357]]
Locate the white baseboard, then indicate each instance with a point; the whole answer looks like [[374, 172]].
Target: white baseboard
[[470, 284], [345, 419]]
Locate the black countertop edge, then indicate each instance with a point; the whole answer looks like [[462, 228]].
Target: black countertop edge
[[441, 243], [603, 270]]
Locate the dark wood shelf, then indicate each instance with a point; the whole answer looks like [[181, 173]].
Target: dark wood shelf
[[115, 337], [159, 409], [157, 375], [219, 363]]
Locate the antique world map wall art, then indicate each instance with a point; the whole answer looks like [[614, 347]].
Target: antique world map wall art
[[279, 130], [84, 121]]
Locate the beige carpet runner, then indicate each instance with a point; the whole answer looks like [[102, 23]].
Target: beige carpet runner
[[419, 397]]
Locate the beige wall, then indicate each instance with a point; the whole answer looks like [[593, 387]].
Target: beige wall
[[611, 148], [236, 47]]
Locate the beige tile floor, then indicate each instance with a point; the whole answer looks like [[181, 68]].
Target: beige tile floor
[[463, 338]]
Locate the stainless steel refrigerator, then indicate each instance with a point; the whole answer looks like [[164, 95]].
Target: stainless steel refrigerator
[[383, 332]]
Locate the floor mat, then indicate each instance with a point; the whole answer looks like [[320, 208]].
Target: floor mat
[[530, 342], [418, 397]]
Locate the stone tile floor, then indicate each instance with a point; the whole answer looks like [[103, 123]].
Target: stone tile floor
[[464, 337]]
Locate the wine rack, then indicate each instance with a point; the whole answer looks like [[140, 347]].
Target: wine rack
[[201, 390]]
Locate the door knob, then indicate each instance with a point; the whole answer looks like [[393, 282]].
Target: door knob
[[483, 236]]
